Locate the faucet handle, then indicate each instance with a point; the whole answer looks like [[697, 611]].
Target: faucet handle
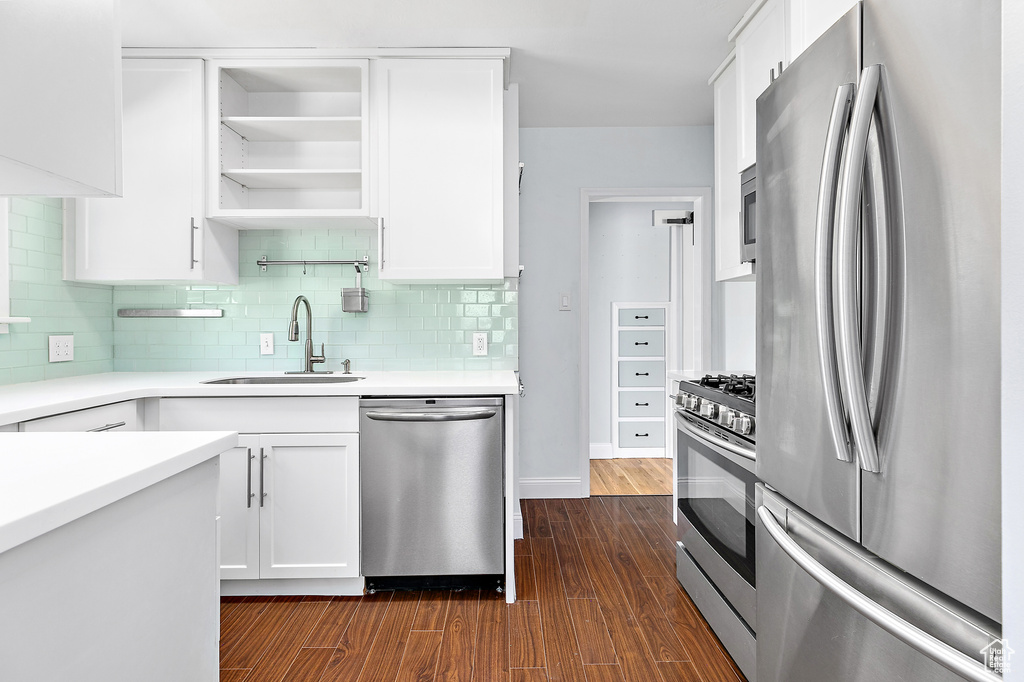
[[319, 358]]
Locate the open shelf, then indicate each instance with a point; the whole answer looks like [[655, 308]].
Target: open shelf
[[294, 178], [296, 128]]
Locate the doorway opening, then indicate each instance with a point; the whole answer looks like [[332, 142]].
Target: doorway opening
[[645, 316]]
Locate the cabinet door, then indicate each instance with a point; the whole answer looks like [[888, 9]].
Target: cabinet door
[[123, 416], [238, 509], [60, 126], [439, 156], [808, 19], [760, 49], [155, 231], [309, 518], [727, 180]]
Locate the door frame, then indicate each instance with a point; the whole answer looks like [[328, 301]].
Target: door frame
[[689, 294]]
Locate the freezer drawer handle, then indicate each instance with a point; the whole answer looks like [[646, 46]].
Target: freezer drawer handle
[[914, 637], [463, 415]]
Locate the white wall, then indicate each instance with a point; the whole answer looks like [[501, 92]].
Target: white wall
[[560, 162], [1013, 335], [733, 335], [629, 260]]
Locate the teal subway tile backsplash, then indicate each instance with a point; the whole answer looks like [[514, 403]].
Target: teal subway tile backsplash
[[408, 326], [56, 307]]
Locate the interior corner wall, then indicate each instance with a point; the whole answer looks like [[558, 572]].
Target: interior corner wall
[[559, 162]]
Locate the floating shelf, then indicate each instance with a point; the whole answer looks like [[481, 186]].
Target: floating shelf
[[297, 128], [298, 178]]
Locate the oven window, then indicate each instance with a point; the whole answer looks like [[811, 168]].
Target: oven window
[[716, 496]]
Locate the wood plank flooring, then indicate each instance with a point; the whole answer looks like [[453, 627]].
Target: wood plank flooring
[[631, 476], [598, 602]]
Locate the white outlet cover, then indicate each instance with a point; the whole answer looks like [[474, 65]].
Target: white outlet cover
[[267, 344], [479, 343], [62, 347]]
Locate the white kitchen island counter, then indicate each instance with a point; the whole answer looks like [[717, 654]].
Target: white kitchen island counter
[[108, 555]]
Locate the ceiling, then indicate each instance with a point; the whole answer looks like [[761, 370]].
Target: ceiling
[[577, 62]]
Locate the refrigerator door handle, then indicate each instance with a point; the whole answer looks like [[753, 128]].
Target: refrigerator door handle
[[850, 365], [828, 187], [896, 626]]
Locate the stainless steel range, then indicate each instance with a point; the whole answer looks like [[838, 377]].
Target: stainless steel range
[[715, 436]]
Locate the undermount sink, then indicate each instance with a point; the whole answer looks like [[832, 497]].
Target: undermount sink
[[290, 379]]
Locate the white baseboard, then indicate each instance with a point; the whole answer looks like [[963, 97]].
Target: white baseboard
[[601, 451], [517, 525], [547, 488]]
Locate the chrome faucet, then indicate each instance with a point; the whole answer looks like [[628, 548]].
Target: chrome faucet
[[293, 335]]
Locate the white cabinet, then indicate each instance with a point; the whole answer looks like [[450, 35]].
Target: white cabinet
[[807, 19], [60, 126], [638, 390], [123, 416], [728, 265], [156, 231], [289, 500], [760, 53], [288, 141], [439, 153]]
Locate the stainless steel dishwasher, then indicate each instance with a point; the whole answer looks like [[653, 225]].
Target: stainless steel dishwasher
[[431, 475]]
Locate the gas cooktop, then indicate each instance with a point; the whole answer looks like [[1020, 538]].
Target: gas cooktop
[[724, 399]]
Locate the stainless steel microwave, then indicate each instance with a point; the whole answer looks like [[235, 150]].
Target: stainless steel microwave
[[748, 224]]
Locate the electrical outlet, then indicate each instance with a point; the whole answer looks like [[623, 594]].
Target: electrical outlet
[[62, 347], [479, 343], [267, 344]]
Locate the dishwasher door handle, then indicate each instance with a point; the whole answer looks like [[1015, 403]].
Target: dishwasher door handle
[[452, 416]]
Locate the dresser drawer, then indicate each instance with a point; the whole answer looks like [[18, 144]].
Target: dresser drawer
[[641, 317], [641, 372], [641, 434], [640, 344], [641, 403]]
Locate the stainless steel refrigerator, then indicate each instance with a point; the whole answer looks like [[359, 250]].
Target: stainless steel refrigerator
[[878, 534]]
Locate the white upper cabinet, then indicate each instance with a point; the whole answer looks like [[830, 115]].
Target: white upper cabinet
[[760, 53], [60, 75], [439, 160], [727, 178], [288, 141], [808, 19], [156, 232]]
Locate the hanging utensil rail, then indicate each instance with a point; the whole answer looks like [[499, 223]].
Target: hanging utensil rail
[[360, 265]]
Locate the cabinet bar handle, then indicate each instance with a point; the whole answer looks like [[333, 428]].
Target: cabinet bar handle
[[640, 343], [642, 404], [262, 493], [381, 243], [192, 246], [248, 479], [107, 427], [640, 317], [643, 374], [641, 435]]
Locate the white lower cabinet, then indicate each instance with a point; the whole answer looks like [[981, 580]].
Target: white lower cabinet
[[289, 506], [123, 416]]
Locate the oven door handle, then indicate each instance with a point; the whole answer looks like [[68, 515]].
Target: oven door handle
[[747, 453]]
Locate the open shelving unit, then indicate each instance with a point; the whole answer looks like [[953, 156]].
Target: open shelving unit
[[290, 141]]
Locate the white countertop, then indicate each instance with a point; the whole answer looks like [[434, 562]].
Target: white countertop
[[21, 402], [50, 479]]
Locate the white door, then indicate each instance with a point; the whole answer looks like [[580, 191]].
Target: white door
[[238, 509], [148, 234], [309, 521], [440, 171]]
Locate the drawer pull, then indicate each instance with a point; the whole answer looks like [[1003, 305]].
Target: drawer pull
[[643, 374], [107, 427], [640, 343], [641, 435], [642, 404], [640, 317]]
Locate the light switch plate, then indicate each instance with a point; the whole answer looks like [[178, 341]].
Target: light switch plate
[[564, 302], [62, 347], [479, 343], [267, 344]]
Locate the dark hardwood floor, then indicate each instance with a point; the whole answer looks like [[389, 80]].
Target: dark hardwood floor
[[597, 601]]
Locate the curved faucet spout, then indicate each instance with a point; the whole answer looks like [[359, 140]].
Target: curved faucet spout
[[293, 333]]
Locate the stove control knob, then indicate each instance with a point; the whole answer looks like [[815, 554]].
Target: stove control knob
[[708, 410], [726, 418], [743, 425], [692, 402]]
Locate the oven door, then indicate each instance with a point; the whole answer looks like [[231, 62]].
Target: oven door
[[716, 510]]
